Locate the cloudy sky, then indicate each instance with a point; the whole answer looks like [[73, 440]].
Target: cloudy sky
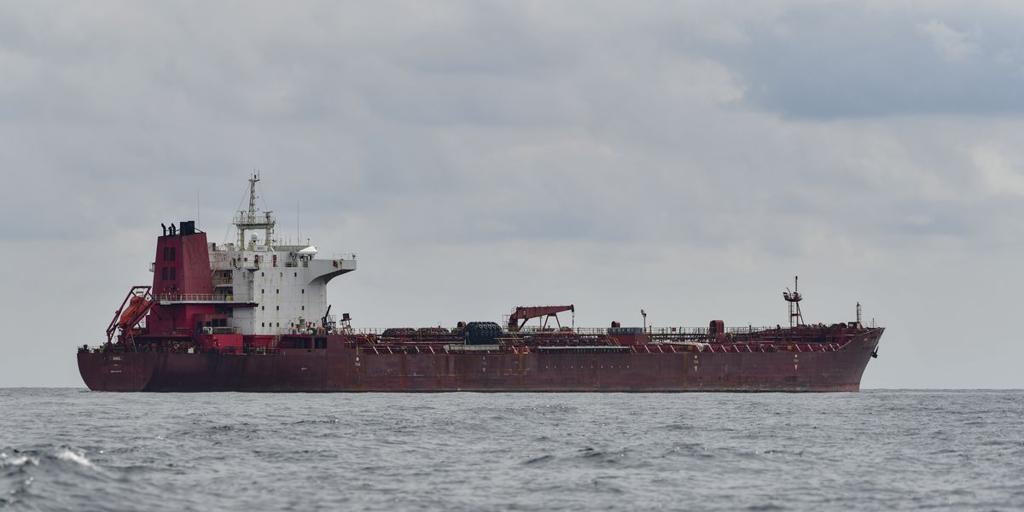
[[687, 158]]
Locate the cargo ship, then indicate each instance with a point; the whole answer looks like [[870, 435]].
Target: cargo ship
[[252, 315]]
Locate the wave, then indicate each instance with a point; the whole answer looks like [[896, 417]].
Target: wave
[[71, 456], [539, 460], [26, 473], [7, 461], [36, 457]]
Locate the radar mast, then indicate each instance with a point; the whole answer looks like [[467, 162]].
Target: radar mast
[[796, 317], [251, 219]]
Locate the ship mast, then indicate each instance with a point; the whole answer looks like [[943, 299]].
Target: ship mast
[[250, 219], [796, 317]]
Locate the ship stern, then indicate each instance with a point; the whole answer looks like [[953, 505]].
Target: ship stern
[[115, 371]]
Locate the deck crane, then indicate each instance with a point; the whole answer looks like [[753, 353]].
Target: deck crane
[[522, 314]]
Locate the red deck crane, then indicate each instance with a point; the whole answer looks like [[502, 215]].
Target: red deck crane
[[523, 314]]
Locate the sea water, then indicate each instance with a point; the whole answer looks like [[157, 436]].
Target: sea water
[[71, 449]]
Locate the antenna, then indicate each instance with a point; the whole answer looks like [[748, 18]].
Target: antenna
[[197, 207], [252, 192], [298, 221]]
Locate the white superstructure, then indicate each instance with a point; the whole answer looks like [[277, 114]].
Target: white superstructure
[[287, 284]]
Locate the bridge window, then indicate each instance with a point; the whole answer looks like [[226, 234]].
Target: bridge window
[[171, 274]]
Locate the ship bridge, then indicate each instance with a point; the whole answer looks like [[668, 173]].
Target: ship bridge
[[286, 284]]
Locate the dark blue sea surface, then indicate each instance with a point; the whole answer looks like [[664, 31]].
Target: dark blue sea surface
[[69, 449]]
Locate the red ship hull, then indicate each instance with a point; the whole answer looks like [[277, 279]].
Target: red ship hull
[[344, 365]]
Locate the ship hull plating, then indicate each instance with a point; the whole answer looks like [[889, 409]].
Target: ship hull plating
[[347, 367]]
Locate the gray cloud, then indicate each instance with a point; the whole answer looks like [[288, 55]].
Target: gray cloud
[[865, 60]]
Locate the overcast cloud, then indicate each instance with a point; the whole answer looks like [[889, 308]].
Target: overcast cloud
[[684, 157]]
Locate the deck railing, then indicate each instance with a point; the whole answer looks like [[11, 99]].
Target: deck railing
[[196, 297], [597, 331], [220, 280]]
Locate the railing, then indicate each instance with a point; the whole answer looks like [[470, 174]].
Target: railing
[[533, 329], [219, 280], [656, 334], [591, 330], [681, 330], [220, 330], [698, 331], [667, 331], [196, 297]]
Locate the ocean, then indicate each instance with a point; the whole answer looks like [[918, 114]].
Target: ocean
[[71, 449]]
